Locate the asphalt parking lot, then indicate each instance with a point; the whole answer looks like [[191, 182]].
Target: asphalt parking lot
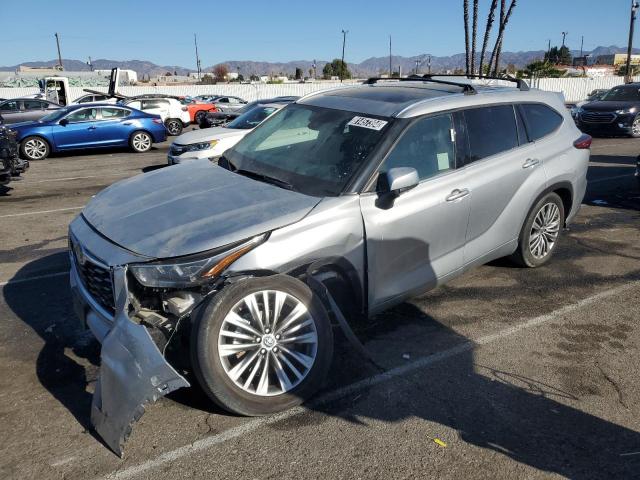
[[504, 373]]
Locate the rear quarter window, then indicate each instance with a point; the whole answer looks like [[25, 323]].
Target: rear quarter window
[[540, 119], [491, 130]]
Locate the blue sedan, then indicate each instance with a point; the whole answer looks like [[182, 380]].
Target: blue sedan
[[89, 126]]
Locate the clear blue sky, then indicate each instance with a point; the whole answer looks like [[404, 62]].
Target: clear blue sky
[[277, 30]]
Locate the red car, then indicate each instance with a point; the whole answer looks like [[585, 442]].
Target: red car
[[197, 109]]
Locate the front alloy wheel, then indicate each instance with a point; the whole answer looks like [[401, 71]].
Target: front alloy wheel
[[635, 127], [262, 345]]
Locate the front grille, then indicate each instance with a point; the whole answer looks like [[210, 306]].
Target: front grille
[[95, 278], [598, 117]]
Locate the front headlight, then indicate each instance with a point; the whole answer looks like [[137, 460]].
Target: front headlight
[[626, 111], [191, 271], [195, 147]]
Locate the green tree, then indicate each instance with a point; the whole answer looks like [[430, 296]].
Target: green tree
[[298, 73], [559, 56], [338, 68], [541, 68], [327, 71]]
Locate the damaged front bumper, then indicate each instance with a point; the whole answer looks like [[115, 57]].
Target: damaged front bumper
[[133, 372]]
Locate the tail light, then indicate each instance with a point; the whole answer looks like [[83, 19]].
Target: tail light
[[158, 121], [184, 109], [583, 143]]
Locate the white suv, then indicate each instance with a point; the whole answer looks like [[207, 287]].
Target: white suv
[[174, 115]]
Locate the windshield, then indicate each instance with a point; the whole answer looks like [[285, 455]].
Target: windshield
[[623, 94], [315, 150], [55, 115], [252, 118]]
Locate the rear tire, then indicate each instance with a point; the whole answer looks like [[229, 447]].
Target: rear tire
[[140, 142], [540, 233], [635, 128], [174, 126], [232, 346], [34, 148]]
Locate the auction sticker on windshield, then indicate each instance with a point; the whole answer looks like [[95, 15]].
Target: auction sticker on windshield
[[366, 122]]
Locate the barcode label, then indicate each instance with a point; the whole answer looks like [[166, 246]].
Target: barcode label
[[366, 122]]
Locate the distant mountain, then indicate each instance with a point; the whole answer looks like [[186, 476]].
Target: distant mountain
[[141, 67], [369, 67]]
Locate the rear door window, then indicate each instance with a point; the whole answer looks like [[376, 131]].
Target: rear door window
[[491, 130], [10, 106], [112, 113], [541, 120], [34, 105], [426, 146]]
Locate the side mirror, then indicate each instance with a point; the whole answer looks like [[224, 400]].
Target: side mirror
[[398, 180], [64, 122]]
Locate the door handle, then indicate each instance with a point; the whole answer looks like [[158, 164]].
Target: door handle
[[91, 128], [457, 194], [531, 162], [126, 123]]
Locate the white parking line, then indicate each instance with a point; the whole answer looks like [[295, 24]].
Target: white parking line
[[38, 212], [252, 425], [37, 277], [49, 180], [628, 175]]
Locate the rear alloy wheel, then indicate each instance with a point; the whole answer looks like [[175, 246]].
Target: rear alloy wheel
[[173, 126], [541, 231], [141, 142], [635, 127], [262, 345], [34, 148]]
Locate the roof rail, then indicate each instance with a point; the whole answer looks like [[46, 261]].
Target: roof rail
[[467, 88], [522, 85]]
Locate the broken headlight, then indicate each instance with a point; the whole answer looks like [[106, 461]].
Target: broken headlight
[[191, 271]]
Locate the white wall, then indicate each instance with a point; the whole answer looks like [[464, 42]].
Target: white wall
[[574, 89]]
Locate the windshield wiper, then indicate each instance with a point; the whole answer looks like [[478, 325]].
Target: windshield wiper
[[265, 178]]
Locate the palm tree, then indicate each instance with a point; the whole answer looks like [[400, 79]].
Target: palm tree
[[487, 31], [504, 19], [465, 8], [473, 36]]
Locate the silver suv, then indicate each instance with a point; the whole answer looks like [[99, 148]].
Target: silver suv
[[345, 202]]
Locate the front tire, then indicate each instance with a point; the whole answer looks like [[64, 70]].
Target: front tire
[[34, 148], [262, 345], [635, 128], [199, 116], [540, 233], [141, 142], [174, 126]]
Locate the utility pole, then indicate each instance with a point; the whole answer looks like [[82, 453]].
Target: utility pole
[[581, 44], [90, 63], [344, 41], [564, 35], [549, 51], [390, 67], [429, 65], [195, 41], [634, 9], [59, 54]]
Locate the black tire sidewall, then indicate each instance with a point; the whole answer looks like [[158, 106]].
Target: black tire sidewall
[[204, 348], [23, 153], [634, 135], [172, 120], [525, 252], [199, 116], [134, 148]]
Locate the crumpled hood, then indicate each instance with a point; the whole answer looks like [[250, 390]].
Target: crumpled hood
[[191, 208], [208, 134]]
